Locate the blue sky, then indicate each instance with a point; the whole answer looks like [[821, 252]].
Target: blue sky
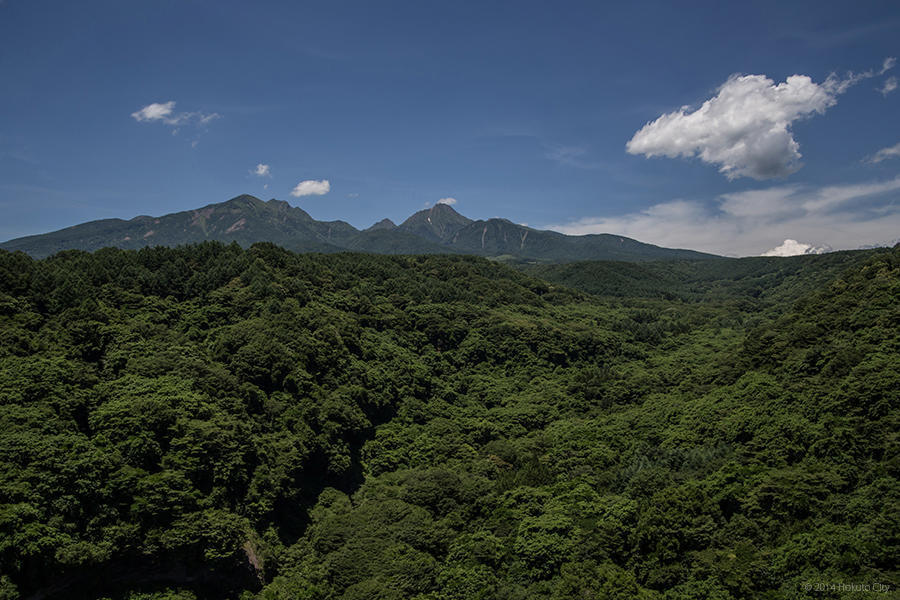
[[725, 127]]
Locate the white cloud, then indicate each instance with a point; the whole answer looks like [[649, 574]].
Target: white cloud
[[751, 222], [447, 201], [158, 111], [886, 153], [837, 85], [786, 200], [757, 203], [164, 112], [794, 248], [744, 128], [836, 196], [262, 170], [890, 84], [311, 187]]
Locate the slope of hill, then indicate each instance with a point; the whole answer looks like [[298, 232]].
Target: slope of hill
[[393, 241], [500, 237], [769, 279], [246, 220], [243, 219]]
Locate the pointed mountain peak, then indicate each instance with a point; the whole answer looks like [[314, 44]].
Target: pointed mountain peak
[[437, 223], [246, 219], [244, 199], [383, 224], [439, 210], [443, 208]]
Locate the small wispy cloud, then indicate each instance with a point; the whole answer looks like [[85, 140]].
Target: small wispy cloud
[[753, 221], [158, 111], [806, 200], [890, 84], [885, 154], [311, 187], [447, 201], [887, 65], [570, 156], [164, 112], [262, 170]]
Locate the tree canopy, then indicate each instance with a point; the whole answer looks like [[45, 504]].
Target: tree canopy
[[216, 422]]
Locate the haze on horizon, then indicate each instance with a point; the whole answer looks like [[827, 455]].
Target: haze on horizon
[[770, 128]]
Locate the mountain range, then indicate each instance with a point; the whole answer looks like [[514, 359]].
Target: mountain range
[[435, 230]]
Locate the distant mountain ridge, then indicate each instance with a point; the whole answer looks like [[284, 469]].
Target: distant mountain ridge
[[436, 230]]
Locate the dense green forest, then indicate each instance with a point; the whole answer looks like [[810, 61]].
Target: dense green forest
[[766, 281], [214, 422]]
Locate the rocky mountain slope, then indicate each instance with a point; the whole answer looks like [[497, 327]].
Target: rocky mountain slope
[[436, 230]]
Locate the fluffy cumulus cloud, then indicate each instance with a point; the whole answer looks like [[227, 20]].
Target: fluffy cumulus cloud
[[794, 248], [886, 153], [752, 222], [745, 129], [448, 201], [164, 112], [262, 170], [311, 187]]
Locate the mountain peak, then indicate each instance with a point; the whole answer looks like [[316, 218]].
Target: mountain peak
[[246, 219], [244, 199], [382, 224], [441, 207], [437, 223]]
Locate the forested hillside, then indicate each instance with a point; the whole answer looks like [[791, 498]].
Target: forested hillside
[[215, 422], [765, 281]]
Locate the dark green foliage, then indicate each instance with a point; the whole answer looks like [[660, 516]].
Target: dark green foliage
[[218, 422], [745, 281]]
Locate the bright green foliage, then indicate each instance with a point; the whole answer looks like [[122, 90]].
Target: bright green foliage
[[214, 422]]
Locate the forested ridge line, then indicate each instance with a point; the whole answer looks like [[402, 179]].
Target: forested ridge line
[[764, 281], [215, 422]]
